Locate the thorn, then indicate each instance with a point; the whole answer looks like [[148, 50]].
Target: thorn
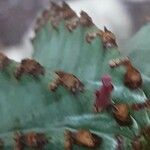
[[105, 29]]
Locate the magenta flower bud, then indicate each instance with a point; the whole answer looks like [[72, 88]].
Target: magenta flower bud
[[103, 95], [106, 80]]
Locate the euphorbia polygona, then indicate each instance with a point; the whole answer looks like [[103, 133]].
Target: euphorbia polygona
[[63, 42]]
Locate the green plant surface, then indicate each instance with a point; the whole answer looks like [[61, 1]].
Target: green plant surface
[[140, 55], [28, 105]]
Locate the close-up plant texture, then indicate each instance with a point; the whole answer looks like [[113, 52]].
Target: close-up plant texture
[[78, 91]]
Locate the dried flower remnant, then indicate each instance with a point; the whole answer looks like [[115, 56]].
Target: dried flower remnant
[[19, 141], [103, 95], [71, 18], [68, 80], [72, 24], [122, 115], [90, 37], [4, 61], [108, 38], [132, 77], [146, 133], [56, 14], [85, 19], [42, 20], [68, 145], [142, 141], [84, 138], [36, 140], [31, 140], [121, 111], [55, 8], [31, 67], [68, 13], [136, 143]]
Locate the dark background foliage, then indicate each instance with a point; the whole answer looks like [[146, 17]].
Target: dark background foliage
[[17, 15]]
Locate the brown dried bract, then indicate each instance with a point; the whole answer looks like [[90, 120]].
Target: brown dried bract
[[132, 77], [56, 14], [136, 143], [19, 141], [4, 61], [68, 13], [31, 140], [36, 140], [84, 138], [63, 12], [55, 21], [122, 115], [31, 67], [72, 24], [146, 132], [140, 142], [55, 7], [85, 19], [120, 142], [42, 20], [90, 37], [68, 80], [68, 145], [108, 38]]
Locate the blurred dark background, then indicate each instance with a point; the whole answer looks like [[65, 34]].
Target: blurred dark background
[[17, 16], [139, 11]]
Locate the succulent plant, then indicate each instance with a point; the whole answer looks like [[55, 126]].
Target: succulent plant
[[40, 115]]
